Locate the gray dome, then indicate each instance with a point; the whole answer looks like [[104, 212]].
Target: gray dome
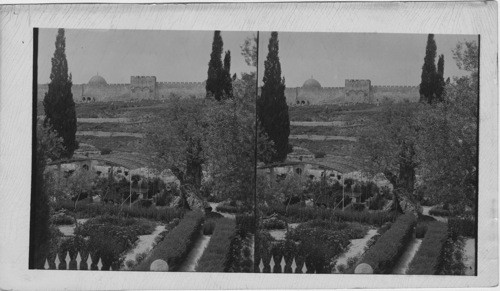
[[311, 84], [97, 81]]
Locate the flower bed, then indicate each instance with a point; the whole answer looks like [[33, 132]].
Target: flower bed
[[176, 245], [297, 213], [390, 246], [426, 259], [215, 255], [94, 209]]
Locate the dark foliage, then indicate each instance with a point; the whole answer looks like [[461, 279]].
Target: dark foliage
[[428, 83], [390, 246], [440, 84], [272, 109], [215, 255], [462, 226], [426, 259], [219, 83], [208, 227], [176, 245], [58, 103]]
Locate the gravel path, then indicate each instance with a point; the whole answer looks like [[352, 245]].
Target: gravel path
[[144, 243], [469, 256], [356, 248], [404, 262], [69, 230], [227, 215]]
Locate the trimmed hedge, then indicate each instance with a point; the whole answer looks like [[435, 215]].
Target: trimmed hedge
[[426, 260], [215, 255], [437, 211], [96, 209], [176, 245], [390, 246]]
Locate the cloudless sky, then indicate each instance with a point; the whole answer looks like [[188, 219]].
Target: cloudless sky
[[183, 56], [385, 59], [171, 56]]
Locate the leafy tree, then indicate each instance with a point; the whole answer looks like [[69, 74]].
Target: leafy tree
[[440, 84], [49, 147], [272, 110], [176, 137], [428, 84], [215, 80], [249, 50], [448, 143], [58, 102]]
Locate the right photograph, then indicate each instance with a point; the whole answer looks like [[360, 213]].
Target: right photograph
[[367, 153]]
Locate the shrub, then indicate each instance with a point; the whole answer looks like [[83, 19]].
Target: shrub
[[213, 215], [462, 226], [215, 255], [245, 224], [62, 220], [208, 227], [232, 263], [421, 230], [273, 223], [105, 151], [228, 209], [450, 261], [391, 245], [358, 206], [145, 203], [438, 211], [319, 155], [426, 259], [177, 243]]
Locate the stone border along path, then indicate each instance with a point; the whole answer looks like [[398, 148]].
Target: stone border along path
[[143, 244], [356, 247]]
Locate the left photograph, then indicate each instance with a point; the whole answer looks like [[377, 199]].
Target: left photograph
[[143, 150]]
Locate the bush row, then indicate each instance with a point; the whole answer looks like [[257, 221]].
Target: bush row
[[94, 209], [390, 246], [176, 245], [215, 255], [245, 224], [462, 226], [296, 213], [426, 259]]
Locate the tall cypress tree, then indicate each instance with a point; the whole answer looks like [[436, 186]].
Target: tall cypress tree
[[215, 80], [428, 84], [440, 84], [58, 103], [272, 109], [228, 82]]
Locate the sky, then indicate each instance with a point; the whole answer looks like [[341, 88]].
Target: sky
[[171, 56], [330, 58], [183, 56]]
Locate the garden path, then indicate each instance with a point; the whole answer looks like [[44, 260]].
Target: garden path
[[469, 256], [69, 230], [357, 247], [227, 215], [425, 211], [189, 265], [144, 244], [404, 262]]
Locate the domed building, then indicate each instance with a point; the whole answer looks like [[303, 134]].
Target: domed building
[[97, 81], [311, 84]]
